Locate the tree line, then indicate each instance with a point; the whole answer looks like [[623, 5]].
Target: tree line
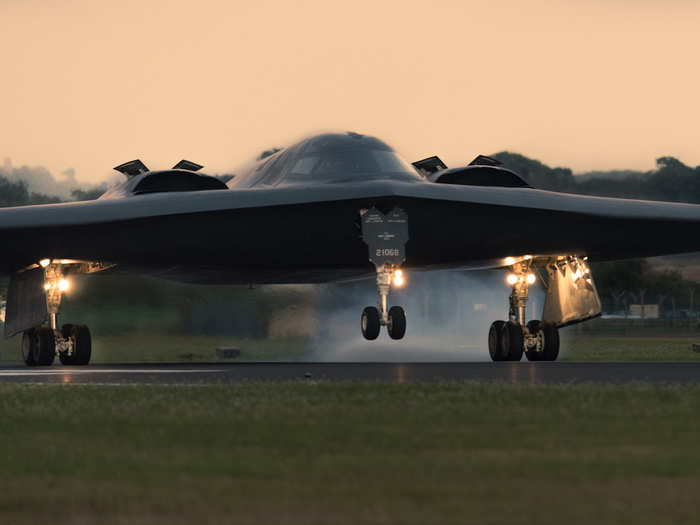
[[670, 181], [637, 281]]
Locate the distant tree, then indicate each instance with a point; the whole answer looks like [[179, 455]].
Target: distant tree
[[536, 173], [13, 193], [669, 163], [87, 195], [670, 181], [620, 281], [16, 193], [40, 198]]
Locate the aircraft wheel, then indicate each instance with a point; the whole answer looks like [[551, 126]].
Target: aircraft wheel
[[513, 341], [370, 323], [551, 342], [82, 343], [47, 347], [534, 327], [38, 346], [66, 331], [29, 347], [397, 322], [496, 341]]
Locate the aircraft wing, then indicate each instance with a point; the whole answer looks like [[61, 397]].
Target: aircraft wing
[[312, 234]]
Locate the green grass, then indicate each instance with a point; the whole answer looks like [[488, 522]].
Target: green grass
[[628, 348], [349, 453]]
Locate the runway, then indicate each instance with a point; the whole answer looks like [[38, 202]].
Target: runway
[[213, 373]]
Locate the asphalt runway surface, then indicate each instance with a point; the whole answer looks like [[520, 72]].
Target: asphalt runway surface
[[213, 373]]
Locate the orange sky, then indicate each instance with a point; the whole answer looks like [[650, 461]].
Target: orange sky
[[585, 84]]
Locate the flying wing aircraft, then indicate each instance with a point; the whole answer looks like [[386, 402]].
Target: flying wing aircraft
[[332, 207]]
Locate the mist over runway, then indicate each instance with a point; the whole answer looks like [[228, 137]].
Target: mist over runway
[[211, 373]]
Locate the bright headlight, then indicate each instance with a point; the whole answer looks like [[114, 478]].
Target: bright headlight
[[63, 285], [511, 278], [398, 278], [531, 278]]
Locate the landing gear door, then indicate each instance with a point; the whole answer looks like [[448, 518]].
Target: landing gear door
[[385, 236], [26, 302], [571, 295]]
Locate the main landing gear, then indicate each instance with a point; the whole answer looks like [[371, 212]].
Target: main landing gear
[[509, 340], [394, 319], [71, 343]]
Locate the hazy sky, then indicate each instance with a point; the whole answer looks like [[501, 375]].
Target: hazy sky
[[585, 84]]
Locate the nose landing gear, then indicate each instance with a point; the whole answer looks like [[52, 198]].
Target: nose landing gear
[[386, 236], [374, 318]]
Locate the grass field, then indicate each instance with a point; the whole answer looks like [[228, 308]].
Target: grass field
[[629, 348], [350, 453]]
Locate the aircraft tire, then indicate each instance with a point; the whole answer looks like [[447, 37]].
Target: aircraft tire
[[397, 322], [45, 347], [551, 342], [533, 327], [29, 344], [83, 345], [370, 323], [496, 341], [513, 341]]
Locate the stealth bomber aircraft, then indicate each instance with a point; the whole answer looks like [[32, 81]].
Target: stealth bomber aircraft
[[330, 208]]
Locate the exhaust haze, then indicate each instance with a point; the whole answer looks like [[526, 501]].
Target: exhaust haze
[[448, 318]]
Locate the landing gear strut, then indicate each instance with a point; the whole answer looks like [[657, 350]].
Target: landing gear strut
[[394, 318], [509, 340], [71, 343], [386, 236]]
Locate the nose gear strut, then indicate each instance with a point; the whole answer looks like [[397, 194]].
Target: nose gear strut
[[385, 236]]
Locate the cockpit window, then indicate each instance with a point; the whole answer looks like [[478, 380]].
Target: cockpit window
[[346, 164], [305, 165]]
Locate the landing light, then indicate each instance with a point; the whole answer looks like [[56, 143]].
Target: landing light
[[510, 261], [398, 278], [63, 285], [45, 262], [513, 278]]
